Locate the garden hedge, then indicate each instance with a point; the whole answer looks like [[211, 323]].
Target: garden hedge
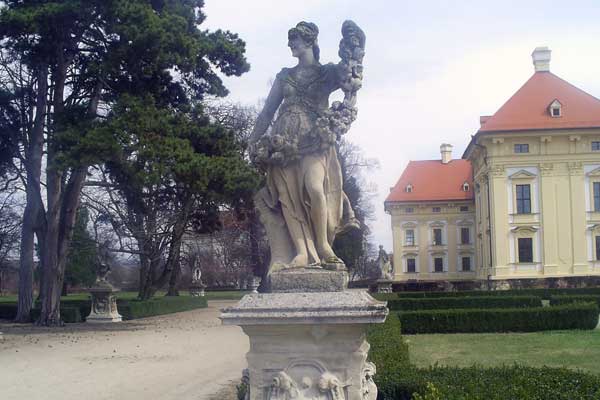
[[78, 310], [568, 316], [543, 293], [584, 298], [133, 309], [498, 383], [397, 379], [434, 303]]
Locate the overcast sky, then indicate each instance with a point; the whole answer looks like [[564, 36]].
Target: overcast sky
[[431, 67]]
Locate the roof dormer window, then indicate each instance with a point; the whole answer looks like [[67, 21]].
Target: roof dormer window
[[465, 187], [555, 109], [408, 188]]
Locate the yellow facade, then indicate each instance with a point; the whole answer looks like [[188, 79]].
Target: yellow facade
[[414, 226], [559, 168]]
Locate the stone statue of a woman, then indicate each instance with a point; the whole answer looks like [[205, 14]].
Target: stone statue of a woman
[[303, 205]]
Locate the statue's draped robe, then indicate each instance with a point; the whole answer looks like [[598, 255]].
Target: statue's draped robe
[[304, 100]]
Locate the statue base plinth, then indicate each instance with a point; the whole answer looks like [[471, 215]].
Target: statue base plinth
[[104, 304], [303, 280], [313, 341], [197, 290], [383, 286]]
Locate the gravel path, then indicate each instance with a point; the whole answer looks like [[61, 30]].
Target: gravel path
[[183, 356]]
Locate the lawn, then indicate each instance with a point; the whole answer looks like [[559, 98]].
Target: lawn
[[571, 349]]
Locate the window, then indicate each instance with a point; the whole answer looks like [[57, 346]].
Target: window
[[466, 263], [597, 196], [523, 199], [525, 250], [521, 148], [436, 209], [465, 236], [438, 264], [410, 237], [437, 237], [465, 187], [595, 146], [409, 188], [409, 210], [411, 265], [464, 208], [598, 248], [556, 112]]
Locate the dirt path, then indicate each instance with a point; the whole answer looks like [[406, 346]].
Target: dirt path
[[183, 356]]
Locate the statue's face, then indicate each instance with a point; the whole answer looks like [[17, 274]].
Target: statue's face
[[298, 46]]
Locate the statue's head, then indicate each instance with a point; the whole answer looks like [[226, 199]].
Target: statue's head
[[303, 37]]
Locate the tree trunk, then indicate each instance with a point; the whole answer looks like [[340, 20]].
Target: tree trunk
[[33, 213], [174, 280]]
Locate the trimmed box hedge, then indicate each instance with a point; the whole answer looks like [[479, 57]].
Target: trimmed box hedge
[[543, 293], [568, 316], [435, 303], [133, 309], [67, 314], [583, 298], [77, 310], [397, 379], [498, 383]]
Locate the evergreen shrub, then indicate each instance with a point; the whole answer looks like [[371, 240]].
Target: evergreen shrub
[[133, 309], [565, 299], [498, 383], [543, 293], [568, 316], [440, 303]]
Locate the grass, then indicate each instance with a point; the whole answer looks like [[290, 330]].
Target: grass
[[210, 295], [570, 349]]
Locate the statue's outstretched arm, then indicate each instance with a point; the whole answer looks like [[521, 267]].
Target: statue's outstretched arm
[[265, 117]]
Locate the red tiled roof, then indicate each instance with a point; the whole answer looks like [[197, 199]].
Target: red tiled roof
[[434, 181], [528, 107]]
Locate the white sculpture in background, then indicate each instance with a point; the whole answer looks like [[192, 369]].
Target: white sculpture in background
[[197, 275], [303, 205], [385, 265]]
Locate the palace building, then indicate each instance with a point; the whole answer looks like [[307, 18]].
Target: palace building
[[522, 204]]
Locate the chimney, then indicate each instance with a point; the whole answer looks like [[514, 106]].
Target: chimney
[[541, 59], [446, 150]]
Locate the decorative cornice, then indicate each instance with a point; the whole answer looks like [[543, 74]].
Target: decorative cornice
[[546, 169], [575, 167], [497, 170]]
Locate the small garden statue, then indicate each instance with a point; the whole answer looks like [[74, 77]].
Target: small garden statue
[[385, 265], [104, 301], [197, 287]]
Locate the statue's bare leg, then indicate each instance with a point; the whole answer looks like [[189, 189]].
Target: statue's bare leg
[[315, 177]]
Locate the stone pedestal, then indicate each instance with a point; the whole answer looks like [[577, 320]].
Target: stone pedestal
[[383, 286], [104, 304], [197, 289], [308, 344]]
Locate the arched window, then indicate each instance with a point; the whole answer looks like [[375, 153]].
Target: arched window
[[465, 187], [409, 188]]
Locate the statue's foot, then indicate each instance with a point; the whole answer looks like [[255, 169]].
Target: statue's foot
[[301, 260]]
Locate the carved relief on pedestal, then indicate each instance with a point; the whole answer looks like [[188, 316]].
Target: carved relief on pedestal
[[368, 387], [306, 380]]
